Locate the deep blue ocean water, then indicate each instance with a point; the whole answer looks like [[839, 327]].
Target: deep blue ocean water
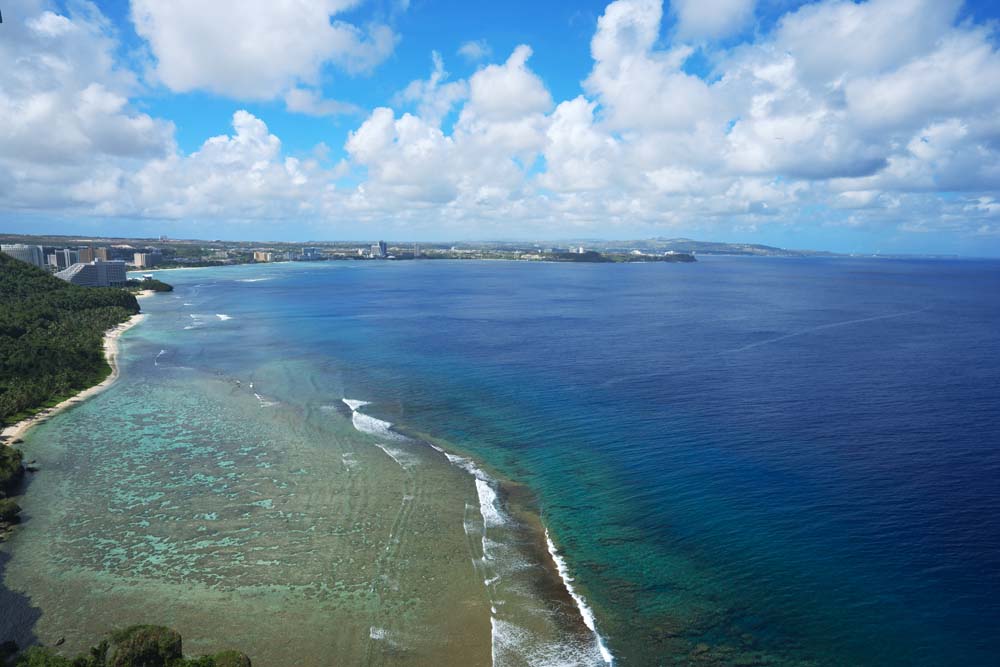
[[790, 458]]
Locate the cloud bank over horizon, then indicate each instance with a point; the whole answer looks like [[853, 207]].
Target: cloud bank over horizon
[[834, 118]]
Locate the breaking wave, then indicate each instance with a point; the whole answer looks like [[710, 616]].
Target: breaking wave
[[581, 604], [354, 404]]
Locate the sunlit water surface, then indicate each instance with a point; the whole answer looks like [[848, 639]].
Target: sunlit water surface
[[743, 460]]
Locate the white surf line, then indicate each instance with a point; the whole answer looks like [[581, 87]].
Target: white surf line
[[156, 359], [581, 604], [264, 403], [370, 425], [223, 316], [396, 455], [354, 405]]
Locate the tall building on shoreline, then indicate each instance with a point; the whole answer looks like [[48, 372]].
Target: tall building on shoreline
[[96, 274], [380, 249], [145, 260], [32, 254]]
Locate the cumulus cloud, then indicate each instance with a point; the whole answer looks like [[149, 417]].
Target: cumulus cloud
[[833, 110], [711, 19], [844, 113], [238, 176], [436, 96], [255, 49], [69, 131]]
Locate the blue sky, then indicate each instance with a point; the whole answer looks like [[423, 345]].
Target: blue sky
[[850, 126]]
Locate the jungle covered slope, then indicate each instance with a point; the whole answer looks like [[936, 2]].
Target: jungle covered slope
[[51, 337], [137, 646]]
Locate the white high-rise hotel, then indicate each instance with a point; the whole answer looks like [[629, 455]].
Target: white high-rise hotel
[[32, 254]]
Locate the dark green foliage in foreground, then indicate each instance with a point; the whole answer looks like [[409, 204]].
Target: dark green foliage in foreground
[[224, 659], [11, 468], [150, 283], [8, 510], [41, 657], [11, 472], [51, 335], [145, 646], [137, 646]]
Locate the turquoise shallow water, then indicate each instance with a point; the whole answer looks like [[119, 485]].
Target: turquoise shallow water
[[766, 461]]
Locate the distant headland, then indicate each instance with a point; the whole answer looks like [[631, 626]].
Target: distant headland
[[166, 253]]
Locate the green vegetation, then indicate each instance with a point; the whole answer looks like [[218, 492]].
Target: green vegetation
[[11, 472], [11, 469], [149, 284], [8, 510], [137, 646], [51, 335]]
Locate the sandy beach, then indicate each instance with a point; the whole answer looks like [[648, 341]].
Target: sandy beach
[[18, 430]]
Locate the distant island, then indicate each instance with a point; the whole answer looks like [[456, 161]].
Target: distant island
[[146, 254]]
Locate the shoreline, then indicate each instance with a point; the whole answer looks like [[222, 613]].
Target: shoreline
[[18, 430]]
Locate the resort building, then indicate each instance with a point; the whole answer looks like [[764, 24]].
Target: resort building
[[380, 249], [263, 256], [68, 258], [95, 274], [32, 254], [145, 260]]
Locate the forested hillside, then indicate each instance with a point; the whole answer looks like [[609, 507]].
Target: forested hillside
[[51, 335]]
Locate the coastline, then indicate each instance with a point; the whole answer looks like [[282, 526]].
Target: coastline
[[18, 430], [506, 533]]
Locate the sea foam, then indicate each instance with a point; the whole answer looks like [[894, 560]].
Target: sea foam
[[581, 604], [404, 459], [373, 426], [354, 404], [488, 504]]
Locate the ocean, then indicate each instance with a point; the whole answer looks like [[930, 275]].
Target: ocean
[[776, 461]]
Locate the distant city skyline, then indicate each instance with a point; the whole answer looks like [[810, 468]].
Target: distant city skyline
[[831, 125]]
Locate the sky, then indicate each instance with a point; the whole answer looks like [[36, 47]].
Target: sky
[[869, 126]]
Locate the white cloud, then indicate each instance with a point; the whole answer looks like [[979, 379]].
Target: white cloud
[[642, 88], [711, 19], [475, 50], [310, 102], [435, 97], [69, 132], [238, 176], [255, 49], [845, 114], [508, 91]]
